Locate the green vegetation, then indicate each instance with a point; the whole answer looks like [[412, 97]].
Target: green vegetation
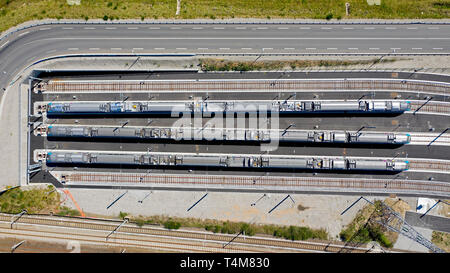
[[441, 240], [209, 64], [122, 215], [42, 200], [228, 227], [172, 225], [363, 229], [14, 12], [37, 200], [66, 211]]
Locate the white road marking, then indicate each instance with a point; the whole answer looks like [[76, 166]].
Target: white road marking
[[110, 28], [353, 48], [261, 28], [437, 48], [416, 48], [395, 48], [72, 48], [313, 48], [433, 28], [219, 28], [89, 28], [154, 27], [224, 48], [175, 28], [252, 38], [116, 48], [347, 28], [197, 28], [369, 28], [374, 48], [50, 51], [390, 28], [181, 48], [202, 48], [267, 48], [283, 28], [138, 48], [94, 48], [159, 48], [4, 44], [21, 34], [305, 28], [45, 28], [67, 28], [411, 28], [240, 28], [289, 48], [133, 28], [326, 28], [246, 48], [331, 48]]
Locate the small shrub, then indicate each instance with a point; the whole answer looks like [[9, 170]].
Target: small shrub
[[122, 215], [105, 18], [329, 16], [139, 221], [172, 225]]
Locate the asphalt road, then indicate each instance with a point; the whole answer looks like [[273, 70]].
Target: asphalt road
[[26, 46], [438, 223]]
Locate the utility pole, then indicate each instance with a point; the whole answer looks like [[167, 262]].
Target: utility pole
[[437, 137], [125, 220], [18, 217], [16, 246], [439, 201], [394, 222], [364, 127], [422, 105]]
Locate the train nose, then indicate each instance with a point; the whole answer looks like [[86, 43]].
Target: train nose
[[408, 105]]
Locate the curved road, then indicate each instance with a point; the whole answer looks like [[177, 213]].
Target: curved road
[[23, 47]]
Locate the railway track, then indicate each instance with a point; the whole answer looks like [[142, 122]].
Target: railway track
[[183, 240], [266, 183], [430, 107], [429, 165], [282, 85]]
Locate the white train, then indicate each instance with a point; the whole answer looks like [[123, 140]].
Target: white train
[[237, 106], [224, 134], [222, 160]]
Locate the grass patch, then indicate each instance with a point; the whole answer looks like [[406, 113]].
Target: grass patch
[[14, 12], [66, 211], [228, 227], [43, 200], [210, 64], [441, 240]]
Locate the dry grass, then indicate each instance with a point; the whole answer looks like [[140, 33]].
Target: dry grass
[[210, 64], [216, 226], [37, 200], [14, 12], [441, 240]]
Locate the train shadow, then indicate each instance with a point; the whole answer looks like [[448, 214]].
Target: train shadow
[[180, 115], [223, 169]]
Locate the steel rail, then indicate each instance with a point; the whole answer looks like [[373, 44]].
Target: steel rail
[[240, 85], [129, 230], [256, 182]]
